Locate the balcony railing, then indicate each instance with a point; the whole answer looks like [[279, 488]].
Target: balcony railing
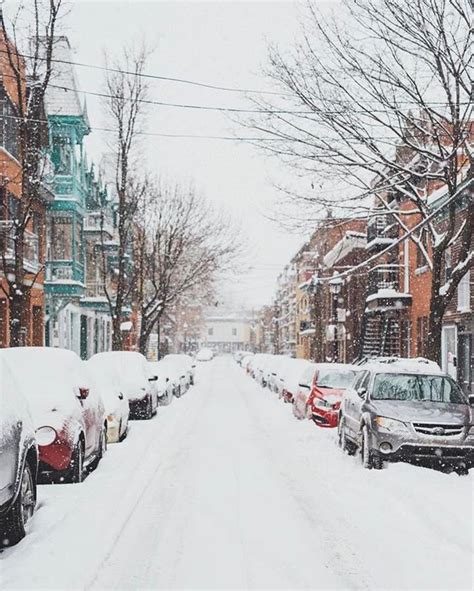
[[31, 251], [95, 289], [64, 271], [306, 325], [382, 228], [384, 277], [96, 222]]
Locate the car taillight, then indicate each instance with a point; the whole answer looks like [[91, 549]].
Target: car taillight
[[46, 435]]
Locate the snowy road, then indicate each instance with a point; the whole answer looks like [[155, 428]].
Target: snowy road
[[225, 489]]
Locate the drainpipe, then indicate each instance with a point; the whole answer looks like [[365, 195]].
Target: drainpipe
[[406, 263]]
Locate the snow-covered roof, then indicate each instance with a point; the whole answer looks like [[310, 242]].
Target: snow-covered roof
[[349, 242], [387, 293], [442, 192], [62, 97]]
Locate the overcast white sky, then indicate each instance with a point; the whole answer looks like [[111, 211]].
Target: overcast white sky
[[222, 43]]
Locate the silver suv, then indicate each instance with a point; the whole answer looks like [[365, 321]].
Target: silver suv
[[403, 411]]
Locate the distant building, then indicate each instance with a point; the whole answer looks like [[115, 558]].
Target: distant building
[[227, 333]]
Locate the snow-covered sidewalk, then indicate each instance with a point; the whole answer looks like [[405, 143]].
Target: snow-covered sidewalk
[[225, 489]]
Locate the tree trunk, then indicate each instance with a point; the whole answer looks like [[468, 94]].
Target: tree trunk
[[435, 327], [117, 339], [17, 330]]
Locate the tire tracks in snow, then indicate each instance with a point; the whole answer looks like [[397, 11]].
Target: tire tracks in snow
[[345, 557]]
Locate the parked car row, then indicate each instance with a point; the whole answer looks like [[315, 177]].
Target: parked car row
[[58, 413], [387, 409]]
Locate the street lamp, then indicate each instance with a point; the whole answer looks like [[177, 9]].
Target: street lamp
[[335, 285]]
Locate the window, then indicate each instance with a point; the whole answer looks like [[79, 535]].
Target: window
[[62, 155], [13, 207], [61, 239], [421, 334], [78, 242], [448, 264], [464, 293], [210, 331], [9, 127], [416, 388], [234, 332], [420, 257]]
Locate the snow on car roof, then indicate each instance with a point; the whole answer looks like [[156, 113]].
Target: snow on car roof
[[13, 404], [405, 366], [48, 377]]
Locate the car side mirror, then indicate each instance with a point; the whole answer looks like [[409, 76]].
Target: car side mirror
[[471, 399], [153, 379], [167, 379], [361, 392], [120, 396], [83, 393]]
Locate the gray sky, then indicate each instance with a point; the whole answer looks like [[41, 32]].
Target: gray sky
[[222, 43]]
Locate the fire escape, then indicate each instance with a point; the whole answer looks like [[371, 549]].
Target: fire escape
[[385, 323]]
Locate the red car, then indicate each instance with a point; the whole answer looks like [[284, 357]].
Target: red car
[[293, 373], [66, 407], [320, 392]]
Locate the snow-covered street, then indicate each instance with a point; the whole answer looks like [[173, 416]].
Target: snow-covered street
[[225, 489]]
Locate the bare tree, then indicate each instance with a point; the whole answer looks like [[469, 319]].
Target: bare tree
[[378, 98], [126, 90], [181, 245], [33, 28]]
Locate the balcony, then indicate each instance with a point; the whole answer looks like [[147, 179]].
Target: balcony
[[65, 277], [383, 288], [31, 252], [306, 328], [382, 230], [97, 222]]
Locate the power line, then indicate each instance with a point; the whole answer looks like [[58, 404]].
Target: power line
[[218, 109], [152, 76], [262, 111]]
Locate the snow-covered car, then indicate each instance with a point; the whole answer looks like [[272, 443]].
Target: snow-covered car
[[186, 362], [320, 392], [245, 362], [205, 354], [67, 410], [177, 372], [261, 368], [133, 377], [274, 368], [281, 369], [18, 460], [293, 372], [239, 355], [117, 408], [164, 384], [393, 413]]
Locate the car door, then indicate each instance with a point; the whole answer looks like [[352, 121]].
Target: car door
[[10, 444], [352, 403], [306, 382], [88, 400]]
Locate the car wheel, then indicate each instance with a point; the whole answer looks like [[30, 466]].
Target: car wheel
[[12, 525], [462, 470], [149, 408], [344, 443], [103, 443], [370, 458], [77, 464]]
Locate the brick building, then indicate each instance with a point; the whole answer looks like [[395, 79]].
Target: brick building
[[25, 269]]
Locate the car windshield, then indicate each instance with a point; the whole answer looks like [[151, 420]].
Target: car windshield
[[414, 387], [337, 379]]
